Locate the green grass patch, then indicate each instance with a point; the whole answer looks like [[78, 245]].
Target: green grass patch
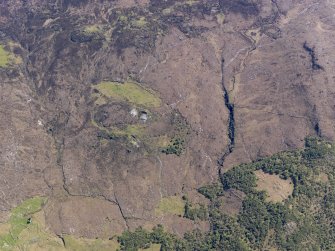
[[170, 205], [137, 130], [92, 28], [4, 57], [130, 92], [8, 58], [133, 133], [130, 130], [141, 22]]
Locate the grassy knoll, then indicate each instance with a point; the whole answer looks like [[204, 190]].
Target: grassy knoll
[[4, 57], [129, 92]]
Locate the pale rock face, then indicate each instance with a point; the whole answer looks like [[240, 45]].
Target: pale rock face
[[134, 112]]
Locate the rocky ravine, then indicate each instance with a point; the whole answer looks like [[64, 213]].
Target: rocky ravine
[[240, 78]]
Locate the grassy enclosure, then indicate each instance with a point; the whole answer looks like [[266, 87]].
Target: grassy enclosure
[[277, 189], [18, 220]]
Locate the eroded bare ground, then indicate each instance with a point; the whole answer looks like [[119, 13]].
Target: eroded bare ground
[[241, 75]]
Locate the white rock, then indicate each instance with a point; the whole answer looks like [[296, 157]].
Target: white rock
[[134, 112]]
